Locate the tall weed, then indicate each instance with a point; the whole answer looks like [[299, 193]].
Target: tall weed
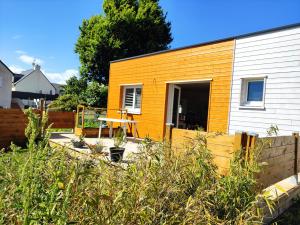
[[44, 185]]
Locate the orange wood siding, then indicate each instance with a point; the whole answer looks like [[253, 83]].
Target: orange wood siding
[[201, 62]]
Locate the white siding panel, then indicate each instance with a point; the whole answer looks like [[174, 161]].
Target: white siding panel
[[277, 56]]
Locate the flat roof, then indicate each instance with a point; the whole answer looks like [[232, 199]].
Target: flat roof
[[210, 42]]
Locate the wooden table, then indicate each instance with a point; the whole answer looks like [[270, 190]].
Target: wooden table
[[122, 121]]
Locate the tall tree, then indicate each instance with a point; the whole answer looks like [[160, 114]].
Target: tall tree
[[127, 28]]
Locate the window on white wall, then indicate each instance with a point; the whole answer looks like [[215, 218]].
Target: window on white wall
[[253, 92], [132, 97], [1, 82]]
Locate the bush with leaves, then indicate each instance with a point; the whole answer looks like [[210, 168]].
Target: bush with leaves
[[65, 102], [96, 95]]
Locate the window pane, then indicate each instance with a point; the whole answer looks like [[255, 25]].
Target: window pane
[[129, 97], [137, 103], [255, 90]]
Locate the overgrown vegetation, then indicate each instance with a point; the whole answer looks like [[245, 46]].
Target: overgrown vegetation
[[42, 185]]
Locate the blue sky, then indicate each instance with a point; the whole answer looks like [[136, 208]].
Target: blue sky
[[46, 30]]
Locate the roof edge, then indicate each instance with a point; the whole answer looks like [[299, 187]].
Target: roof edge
[[9, 70], [211, 42]]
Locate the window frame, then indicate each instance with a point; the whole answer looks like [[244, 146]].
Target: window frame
[[133, 109], [244, 103]]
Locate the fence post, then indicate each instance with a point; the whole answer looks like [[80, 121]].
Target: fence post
[[296, 136], [238, 140], [168, 135]]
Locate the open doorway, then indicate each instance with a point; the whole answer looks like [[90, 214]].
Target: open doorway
[[188, 105]]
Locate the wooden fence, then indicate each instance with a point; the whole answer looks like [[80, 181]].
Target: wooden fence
[[280, 158], [221, 146], [62, 119], [12, 126], [278, 155], [13, 123]]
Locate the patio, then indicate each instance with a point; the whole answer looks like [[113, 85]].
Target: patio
[[64, 140]]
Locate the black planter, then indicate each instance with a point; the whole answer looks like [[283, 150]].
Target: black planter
[[116, 154]]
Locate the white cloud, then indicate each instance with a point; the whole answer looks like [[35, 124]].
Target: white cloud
[[61, 78], [29, 59], [20, 52], [17, 36], [16, 69]]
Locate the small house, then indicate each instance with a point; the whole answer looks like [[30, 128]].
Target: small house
[[6, 77], [248, 82]]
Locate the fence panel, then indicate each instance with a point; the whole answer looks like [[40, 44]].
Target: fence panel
[[13, 123], [62, 119], [279, 158], [12, 127], [221, 146]]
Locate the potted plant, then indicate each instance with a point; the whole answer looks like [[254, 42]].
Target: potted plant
[[96, 148], [116, 152], [79, 142]]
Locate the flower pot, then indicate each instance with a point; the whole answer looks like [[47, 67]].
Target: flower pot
[[116, 154], [78, 144]]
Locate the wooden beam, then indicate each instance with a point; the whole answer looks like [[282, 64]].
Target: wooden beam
[[296, 136]]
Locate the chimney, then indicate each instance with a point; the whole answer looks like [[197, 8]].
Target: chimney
[[37, 67]]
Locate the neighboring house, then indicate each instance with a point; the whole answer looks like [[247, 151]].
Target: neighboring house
[[59, 88], [266, 82], [32, 85], [6, 76], [192, 87]]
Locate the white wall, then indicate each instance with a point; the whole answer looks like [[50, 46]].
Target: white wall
[[35, 82], [5, 88], [277, 56]]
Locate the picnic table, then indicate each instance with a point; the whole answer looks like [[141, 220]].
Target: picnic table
[[123, 122]]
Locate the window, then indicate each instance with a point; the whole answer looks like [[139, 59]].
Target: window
[[132, 96], [252, 92], [50, 92], [41, 92], [1, 82]]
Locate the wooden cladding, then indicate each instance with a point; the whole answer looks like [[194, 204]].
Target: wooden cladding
[[211, 62]]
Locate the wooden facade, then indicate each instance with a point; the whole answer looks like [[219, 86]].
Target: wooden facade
[[210, 61]]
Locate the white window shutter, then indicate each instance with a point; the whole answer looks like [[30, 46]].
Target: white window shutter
[[129, 95]]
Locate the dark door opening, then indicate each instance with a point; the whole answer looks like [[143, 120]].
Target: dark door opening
[[193, 106]]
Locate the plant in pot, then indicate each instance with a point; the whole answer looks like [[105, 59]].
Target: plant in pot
[[96, 148], [116, 152], [78, 142]]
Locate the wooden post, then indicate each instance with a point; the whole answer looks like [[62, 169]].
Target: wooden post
[[82, 118], [251, 141], [168, 135], [296, 136], [238, 141]]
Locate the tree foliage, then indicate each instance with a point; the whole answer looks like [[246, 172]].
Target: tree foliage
[[66, 102], [96, 94], [127, 28], [75, 86]]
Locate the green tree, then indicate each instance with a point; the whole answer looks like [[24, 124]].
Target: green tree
[[75, 86], [127, 28], [96, 94], [67, 102]]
